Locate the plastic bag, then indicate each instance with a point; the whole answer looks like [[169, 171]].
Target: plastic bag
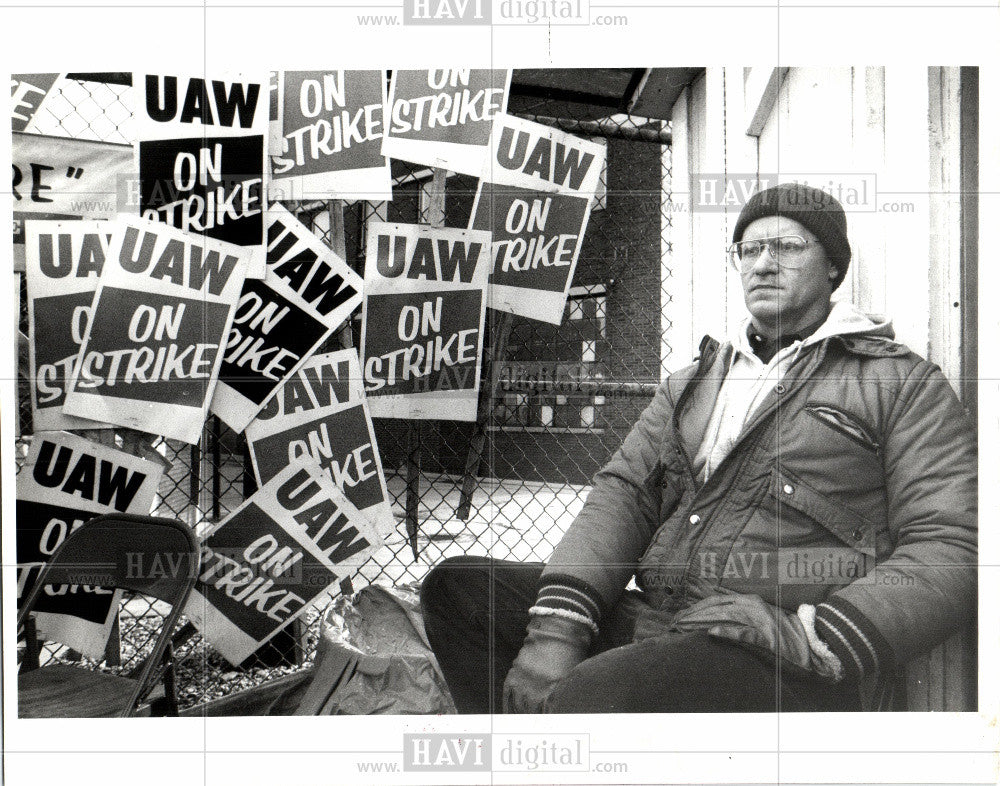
[[373, 658]]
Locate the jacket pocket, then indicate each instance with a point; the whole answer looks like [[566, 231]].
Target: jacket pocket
[[847, 525], [846, 424]]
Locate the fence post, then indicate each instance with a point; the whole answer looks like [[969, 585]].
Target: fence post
[[498, 348], [113, 647], [338, 242], [194, 487], [215, 438]]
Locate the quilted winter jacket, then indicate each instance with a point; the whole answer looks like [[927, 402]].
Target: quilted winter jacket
[[852, 488]]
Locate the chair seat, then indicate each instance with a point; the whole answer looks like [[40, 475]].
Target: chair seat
[[60, 691]]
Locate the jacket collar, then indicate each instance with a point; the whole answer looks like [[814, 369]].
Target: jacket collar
[[862, 334], [854, 331], [872, 346], [697, 399]]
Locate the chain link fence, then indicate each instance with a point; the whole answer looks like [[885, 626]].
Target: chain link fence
[[556, 400]]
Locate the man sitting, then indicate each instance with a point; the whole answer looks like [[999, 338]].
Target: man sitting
[[798, 509]]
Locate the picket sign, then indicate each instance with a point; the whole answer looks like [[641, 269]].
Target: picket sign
[[65, 481], [442, 117], [535, 194], [321, 411], [279, 553], [328, 141], [537, 236], [307, 292], [422, 320], [201, 155], [64, 260], [155, 370]]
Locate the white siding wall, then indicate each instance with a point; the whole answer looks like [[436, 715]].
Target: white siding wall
[[898, 125]]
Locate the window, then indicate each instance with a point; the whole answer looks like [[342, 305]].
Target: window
[[547, 381]]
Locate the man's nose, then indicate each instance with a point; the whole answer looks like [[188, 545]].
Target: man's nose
[[766, 261]]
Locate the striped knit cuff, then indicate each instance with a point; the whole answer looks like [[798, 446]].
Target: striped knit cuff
[[546, 611], [851, 636], [568, 593]]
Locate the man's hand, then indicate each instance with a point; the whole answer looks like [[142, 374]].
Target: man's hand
[[554, 645], [749, 620]]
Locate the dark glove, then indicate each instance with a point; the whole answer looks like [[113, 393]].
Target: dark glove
[[554, 645], [747, 619]]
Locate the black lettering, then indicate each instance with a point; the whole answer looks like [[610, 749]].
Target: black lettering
[[297, 491], [128, 259], [345, 541], [423, 260], [459, 255], [276, 250], [171, 263], [52, 265], [296, 270], [51, 476], [218, 274], [120, 488], [508, 156], [15, 180], [81, 477], [571, 162], [36, 183], [382, 256], [326, 294], [327, 380], [196, 105], [159, 110], [91, 256], [540, 161], [236, 101]]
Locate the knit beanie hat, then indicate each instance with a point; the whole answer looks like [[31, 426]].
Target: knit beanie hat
[[816, 210]]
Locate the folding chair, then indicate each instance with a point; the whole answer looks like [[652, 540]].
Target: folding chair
[[125, 548]]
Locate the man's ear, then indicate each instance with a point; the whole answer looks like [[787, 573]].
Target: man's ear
[[834, 271]]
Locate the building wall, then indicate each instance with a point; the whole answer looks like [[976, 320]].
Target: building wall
[[895, 129]]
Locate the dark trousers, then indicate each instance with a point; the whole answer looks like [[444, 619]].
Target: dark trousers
[[476, 615]]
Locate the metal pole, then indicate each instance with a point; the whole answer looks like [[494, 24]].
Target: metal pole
[[338, 242], [216, 469], [613, 129], [478, 441]]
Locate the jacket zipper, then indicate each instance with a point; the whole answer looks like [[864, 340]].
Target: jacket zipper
[[844, 423], [703, 364], [692, 479], [755, 427], [710, 515]]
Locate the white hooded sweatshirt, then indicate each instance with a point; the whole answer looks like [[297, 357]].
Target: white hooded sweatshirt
[[749, 379]]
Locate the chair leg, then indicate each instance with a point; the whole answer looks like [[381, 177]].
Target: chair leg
[[32, 649], [170, 682]]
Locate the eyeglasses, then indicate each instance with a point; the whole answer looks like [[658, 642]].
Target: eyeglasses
[[787, 250]]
